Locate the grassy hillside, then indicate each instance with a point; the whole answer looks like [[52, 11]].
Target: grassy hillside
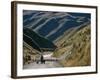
[[78, 45], [29, 54]]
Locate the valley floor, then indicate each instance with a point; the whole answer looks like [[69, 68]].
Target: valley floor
[[48, 64]]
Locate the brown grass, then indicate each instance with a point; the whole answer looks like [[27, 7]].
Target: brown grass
[[81, 55]]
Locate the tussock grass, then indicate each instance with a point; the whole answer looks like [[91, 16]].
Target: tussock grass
[[81, 42]]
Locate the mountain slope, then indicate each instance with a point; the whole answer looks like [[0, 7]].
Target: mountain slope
[[80, 50], [52, 25], [29, 53], [37, 41]]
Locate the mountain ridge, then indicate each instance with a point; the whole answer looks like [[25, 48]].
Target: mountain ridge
[[51, 25]]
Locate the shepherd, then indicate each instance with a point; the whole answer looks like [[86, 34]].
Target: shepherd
[[42, 59]]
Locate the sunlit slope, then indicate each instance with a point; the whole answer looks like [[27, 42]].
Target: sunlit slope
[[80, 43]]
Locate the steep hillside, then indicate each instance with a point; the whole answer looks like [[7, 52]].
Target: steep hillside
[[29, 54], [78, 46], [36, 41]]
